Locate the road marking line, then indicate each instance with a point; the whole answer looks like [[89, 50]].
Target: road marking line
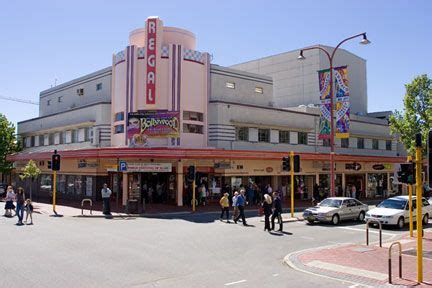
[[275, 275], [307, 238], [348, 270], [237, 282], [370, 231]]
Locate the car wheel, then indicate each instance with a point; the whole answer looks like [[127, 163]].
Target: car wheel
[[425, 219], [335, 219], [311, 221], [361, 216], [401, 223]]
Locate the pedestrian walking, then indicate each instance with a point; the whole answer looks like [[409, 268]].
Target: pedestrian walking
[[267, 207], [10, 198], [224, 202], [19, 198], [29, 211], [203, 195], [315, 194], [106, 194], [240, 203], [353, 191], [277, 211], [234, 204]]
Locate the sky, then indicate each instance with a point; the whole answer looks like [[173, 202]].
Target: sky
[[48, 42]]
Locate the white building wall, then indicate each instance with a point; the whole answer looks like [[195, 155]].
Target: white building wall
[[253, 134], [293, 137], [274, 136]]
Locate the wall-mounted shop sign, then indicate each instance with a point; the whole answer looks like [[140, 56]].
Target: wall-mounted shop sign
[[144, 167], [162, 124], [151, 61], [353, 166], [378, 167], [222, 165], [83, 163], [269, 169]]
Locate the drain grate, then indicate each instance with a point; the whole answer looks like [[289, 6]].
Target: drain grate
[[413, 252]]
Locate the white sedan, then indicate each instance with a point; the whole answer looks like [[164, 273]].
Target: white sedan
[[395, 211]]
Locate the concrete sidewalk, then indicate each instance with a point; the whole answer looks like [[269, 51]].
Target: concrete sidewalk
[[366, 265]]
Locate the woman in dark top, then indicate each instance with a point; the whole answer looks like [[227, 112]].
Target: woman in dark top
[[267, 206], [20, 199]]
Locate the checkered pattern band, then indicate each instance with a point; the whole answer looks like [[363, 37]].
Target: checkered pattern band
[[193, 55], [120, 56], [141, 52]]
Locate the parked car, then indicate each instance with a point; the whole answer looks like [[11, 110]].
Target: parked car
[[395, 211], [335, 209]]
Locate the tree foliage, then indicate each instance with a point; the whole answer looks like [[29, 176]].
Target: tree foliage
[[416, 116], [8, 143], [30, 171]]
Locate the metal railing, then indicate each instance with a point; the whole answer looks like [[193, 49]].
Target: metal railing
[[390, 261], [82, 206], [367, 231]]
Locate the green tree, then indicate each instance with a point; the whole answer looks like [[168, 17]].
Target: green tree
[[416, 116], [8, 143], [30, 171]]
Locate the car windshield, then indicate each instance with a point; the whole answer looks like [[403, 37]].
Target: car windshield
[[393, 204], [330, 203]]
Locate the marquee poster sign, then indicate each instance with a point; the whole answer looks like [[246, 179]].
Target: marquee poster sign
[[148, 124]]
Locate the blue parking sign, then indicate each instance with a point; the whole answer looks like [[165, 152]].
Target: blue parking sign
[[122, 166]]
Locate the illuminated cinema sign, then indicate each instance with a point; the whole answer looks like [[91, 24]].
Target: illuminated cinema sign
[[148, 124], [151, 61]]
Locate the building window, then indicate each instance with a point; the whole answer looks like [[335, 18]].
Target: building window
[[360, 143], [263, 135], [192, 128], [119, 116], [230, 85], [61, 139], [375, 144], [118, 129], [302, 138], [326, 142], [80, 91], [345, 142], [388, 145], [284, 137], [193, 116], [86, 134], [41, 140], [74, 136], [60, 99], [48, 102], [98, 86], [51, 139], [242, 133], [259, 90]]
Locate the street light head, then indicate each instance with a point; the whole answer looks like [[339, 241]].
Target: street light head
[[301, 57], [365, 41]]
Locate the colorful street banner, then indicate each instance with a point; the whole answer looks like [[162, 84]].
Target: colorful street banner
[[324, 88], [342, 102], [148, 124]]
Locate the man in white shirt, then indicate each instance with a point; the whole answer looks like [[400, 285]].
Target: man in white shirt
[[106, 194]]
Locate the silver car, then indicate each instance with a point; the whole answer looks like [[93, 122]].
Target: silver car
[[335, 209]]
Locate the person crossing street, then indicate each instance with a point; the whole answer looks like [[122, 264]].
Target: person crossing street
[[224, 202], [277, 211], [240, 203]]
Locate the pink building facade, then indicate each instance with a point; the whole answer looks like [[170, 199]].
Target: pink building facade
[[160, 89]]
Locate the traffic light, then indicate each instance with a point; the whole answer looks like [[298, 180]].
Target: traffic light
[[191, 173], [55, 161], [407, 173], [286, 165], [49, 165], [296, 163]]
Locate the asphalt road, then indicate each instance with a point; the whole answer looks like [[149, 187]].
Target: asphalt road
[[172, 251]]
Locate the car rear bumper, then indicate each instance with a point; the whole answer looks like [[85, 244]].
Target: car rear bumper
[[384, 221]]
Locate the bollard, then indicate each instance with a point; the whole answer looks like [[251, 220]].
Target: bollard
[[390, 261], [82, 206], [367, 231]]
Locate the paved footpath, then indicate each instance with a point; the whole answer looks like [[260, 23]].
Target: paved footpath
[[366, 265]]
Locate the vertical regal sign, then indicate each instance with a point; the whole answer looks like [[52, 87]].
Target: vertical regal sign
[[151, 61]]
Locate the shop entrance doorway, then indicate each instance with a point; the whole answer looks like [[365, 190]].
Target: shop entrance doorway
[[152, 188], [357, 180]]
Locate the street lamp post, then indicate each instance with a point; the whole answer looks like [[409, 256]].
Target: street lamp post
[[332, 133]]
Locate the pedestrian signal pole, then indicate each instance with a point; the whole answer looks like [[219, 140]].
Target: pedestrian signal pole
[[409, 186], [55, 166], [419, 162], [292, 182]]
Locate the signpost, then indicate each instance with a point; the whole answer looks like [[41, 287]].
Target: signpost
[[292, 182], [419, 160]]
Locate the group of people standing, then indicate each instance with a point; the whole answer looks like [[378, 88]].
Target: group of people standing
[[21, 205], [272, 206]]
